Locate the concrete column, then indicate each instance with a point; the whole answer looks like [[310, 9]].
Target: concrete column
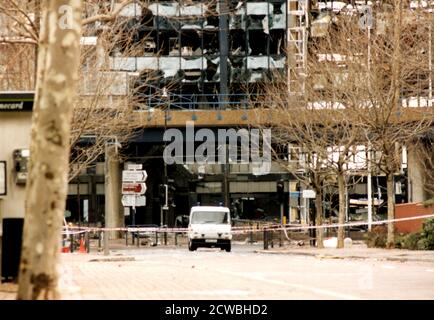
[[415, 177], [114, 217]]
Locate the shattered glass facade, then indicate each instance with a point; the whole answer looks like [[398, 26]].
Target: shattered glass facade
[[190, 43]]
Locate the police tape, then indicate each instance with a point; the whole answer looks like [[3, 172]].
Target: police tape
[[241, 230]]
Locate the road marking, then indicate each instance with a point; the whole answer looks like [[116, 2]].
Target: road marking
[[223, 292], [429, 270], [388, 267], [258, 277]]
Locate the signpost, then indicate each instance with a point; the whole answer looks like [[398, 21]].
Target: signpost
[[134, 176], [134, 188]]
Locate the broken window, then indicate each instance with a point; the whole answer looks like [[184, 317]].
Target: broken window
[[190, 43], [237, 44], [258, 41]]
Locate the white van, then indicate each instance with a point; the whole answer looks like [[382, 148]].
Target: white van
[[209, 227]]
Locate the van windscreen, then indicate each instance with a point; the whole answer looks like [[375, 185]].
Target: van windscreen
[[209, 217]]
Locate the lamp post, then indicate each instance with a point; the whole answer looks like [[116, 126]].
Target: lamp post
[[164, 207]]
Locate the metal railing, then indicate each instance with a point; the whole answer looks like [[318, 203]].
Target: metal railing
[[175, 101]]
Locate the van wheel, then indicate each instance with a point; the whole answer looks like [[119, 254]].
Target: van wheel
[[191, 246], [228, 248]]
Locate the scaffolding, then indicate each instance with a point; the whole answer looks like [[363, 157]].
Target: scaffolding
[[298, 20]]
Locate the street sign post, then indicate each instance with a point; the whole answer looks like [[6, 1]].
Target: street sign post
[[134, 175], [132, 200], [128, 200], [134, 166], [140, 201], [133, 188]]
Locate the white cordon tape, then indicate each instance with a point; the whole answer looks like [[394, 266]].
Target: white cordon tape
[[73, 232], [236, 230]]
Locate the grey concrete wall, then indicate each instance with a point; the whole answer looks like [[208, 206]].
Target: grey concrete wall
[[415, 178]]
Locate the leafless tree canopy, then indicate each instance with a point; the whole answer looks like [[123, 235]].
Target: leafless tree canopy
[[360, 87]]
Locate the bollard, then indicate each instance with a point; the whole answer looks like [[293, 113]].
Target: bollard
[[87, 241], [251, 233], [156, 238], [165, 238], [138, 239], [99, 239], [71, 238], [176, 238], [106, 243], [265, 239], [126, 238]]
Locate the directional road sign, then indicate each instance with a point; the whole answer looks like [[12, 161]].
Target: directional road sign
[[132, 200], [133, 188]]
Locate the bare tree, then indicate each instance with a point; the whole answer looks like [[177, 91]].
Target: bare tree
[[322, 134], [55, 102], [105, 104], [358, 86], [393, 88]]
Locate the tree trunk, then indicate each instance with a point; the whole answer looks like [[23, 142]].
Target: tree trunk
[[318, 209], [341, 217], [114, 217], [58, 62], [390, 210]]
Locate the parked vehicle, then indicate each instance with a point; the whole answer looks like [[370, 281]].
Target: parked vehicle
[[209, 227]]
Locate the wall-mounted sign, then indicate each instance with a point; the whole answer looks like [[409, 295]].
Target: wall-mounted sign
[[16, 101], [3, 186], [310, 194]]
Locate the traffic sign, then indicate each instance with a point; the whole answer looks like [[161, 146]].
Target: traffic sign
[[129, 200], [132, 200], [309, 194], [140, 201], [134, 175], [133, 188], [134, 166]]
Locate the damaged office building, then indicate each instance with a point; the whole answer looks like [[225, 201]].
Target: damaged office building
[[209, 57], [204, 62], [207, 52]]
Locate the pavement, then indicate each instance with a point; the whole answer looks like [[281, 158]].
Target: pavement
[[358, 251], [248, 272]]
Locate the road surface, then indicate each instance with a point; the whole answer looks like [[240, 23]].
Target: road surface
[[169, 273]]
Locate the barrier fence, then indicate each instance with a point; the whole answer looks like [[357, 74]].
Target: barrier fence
[[78, 235]]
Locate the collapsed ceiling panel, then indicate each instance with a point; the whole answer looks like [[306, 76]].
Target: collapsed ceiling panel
[[175, 9], [257, 62], [122, 63], [147, 63], [193, 63], [164, 9], [193, 10], [130, 10], [258, 8]]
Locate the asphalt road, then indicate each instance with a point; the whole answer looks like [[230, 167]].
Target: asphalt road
[[175, 273]]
